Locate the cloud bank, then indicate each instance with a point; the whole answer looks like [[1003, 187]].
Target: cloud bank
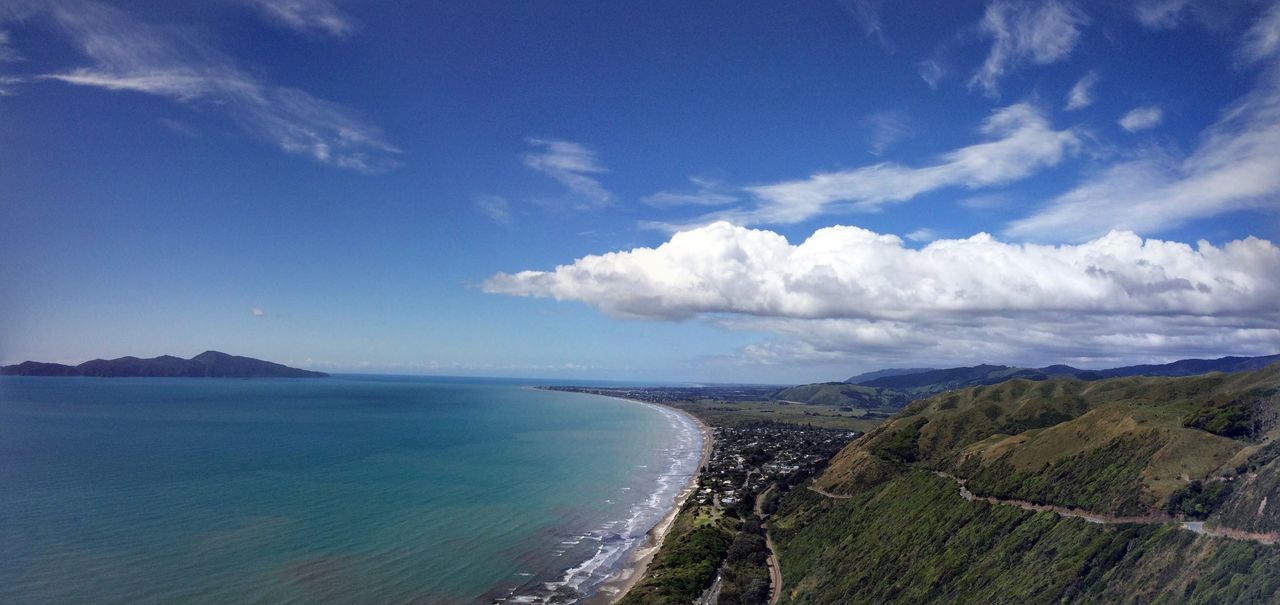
[[849, 291]]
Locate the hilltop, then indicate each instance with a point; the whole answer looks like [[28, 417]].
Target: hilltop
[[895, 387], [887, 523], [210, 364]]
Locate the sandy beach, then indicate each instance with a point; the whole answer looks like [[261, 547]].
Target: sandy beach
[[629, 573]]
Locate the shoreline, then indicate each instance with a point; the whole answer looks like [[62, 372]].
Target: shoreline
[[628, 574]]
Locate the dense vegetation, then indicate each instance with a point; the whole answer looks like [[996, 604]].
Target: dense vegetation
[[914, 540], [1132, 446], [1100, 479], [688, 561], [745, 576]]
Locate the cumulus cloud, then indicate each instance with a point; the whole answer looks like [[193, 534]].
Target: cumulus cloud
[[1233, 167], [129, 55], [306, 16], [1020, 141], [1141, 118], [846, 289], [257, 312], [572, 164], [1026, 33], [1081, 95]]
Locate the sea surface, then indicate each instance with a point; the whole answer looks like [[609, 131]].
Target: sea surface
[[352, 489]]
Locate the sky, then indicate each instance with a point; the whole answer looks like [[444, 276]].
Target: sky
[[711, 192]]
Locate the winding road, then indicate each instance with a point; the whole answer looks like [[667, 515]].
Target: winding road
[[775, 570], [1197, 527]]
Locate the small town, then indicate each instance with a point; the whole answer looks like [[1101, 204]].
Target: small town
[[745, 461]]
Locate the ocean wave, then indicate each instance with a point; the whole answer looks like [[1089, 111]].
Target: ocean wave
[[583, 579]]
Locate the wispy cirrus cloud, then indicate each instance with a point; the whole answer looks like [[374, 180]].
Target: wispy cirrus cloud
[[705, 192], [932, 71], [866, 13], [573, 165], [1159, 14], [846, 289], [496, 208], [130, 55], [1081, 94], [306, 16], [1233, 167], [1023, 33], [1020, 141], [886, 128], [1141, 118], [1263, 38]]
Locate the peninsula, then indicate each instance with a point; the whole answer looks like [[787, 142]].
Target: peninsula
[[210, 364]]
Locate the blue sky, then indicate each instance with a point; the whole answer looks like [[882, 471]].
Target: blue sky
[[390, 187]]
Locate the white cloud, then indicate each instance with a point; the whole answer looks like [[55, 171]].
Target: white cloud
[[1141, 118], [571, 164], [1263, 38], [1233, 167], [496, 208], [846, 289], [1081, 95], [922, 235], [8, 53], [8, 83], [866, 13], [1021, 141], [306, 16], [1160, 14], [129, 55], [1022, 33], [932, 71], [257, 312], [706, 192], [886, 128]]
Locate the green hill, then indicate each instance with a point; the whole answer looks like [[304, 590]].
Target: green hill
[[1202, 447], [841, 394]]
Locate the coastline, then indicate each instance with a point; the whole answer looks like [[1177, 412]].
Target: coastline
[[629, 573]]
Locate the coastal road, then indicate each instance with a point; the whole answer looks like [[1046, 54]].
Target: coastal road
[[1197, 527], [775, 569]]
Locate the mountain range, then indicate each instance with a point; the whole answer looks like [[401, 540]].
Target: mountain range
[[893, 388], [210, 364]]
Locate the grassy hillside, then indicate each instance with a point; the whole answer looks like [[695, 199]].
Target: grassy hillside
[[1195, 447], [842, 394], [913, 540]]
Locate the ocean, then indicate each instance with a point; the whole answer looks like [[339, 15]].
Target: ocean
[[351, 489]]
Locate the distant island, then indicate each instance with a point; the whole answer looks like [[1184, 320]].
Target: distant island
[[210, 364]]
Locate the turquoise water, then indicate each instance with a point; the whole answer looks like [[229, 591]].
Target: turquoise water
[[341, 490]]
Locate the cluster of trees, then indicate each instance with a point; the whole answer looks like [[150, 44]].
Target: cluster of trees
[[687, 563], [1197, 500], [745, 575], [1235, 420]]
